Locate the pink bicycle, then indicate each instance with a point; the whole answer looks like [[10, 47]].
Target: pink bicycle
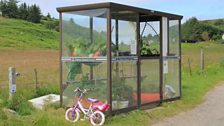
[[94, 113]]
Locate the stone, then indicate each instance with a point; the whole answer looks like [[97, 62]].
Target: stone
[[42, 101]]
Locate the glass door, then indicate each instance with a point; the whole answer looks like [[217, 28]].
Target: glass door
[[150, 61]]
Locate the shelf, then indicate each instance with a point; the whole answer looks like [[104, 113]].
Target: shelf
[[99, 59]]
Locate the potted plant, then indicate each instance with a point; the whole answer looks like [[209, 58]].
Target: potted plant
[[121, 93], [126, 97]]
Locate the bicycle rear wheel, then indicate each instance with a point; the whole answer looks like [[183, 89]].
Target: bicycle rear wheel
[[97, 118]]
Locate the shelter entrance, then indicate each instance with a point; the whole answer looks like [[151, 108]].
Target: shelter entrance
[[150, 61]]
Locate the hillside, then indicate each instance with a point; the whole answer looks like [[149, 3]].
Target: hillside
[[22, 34], [194, 30], [218, 23]]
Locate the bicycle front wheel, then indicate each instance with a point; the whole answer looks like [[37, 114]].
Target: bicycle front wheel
[[69, 116], [97, 118]]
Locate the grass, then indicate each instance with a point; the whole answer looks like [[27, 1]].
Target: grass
[[22, 34], [25, 61]]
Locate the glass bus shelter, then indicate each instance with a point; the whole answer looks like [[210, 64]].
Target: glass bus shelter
[[130, 57]]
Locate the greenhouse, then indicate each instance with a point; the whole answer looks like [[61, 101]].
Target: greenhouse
[[129, 57]]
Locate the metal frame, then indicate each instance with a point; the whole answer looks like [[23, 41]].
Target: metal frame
[[109, 64], [60, 57], [138, 62], [161, 61], [120, 7], [180, 60], [143, 15], [150, 104]]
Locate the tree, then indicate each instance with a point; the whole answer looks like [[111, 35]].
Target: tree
[[9, 8], [1, 4], [23, 11], [34, 14], [4, 8], [194, 31], [12, 11], [48, 15], [191, 31]]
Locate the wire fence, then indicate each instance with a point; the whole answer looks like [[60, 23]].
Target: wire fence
[[30, 80]]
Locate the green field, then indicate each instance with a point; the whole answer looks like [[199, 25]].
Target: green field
[[29, 49], [23, 34]]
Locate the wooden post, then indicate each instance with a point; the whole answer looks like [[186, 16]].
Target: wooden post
[[189, 64], [12, 82], [36, 78], [202, 60]]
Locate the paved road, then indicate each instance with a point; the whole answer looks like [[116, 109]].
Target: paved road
[[209, 113]]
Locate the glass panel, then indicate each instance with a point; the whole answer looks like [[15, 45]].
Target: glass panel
[[150, 38], [171, 79], [124, 84], [126, 41], [124, 58], [174, 37], [84, 54], [82, 79], [84, 35], [150, 81]]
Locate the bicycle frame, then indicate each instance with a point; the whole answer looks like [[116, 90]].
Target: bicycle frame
[[94, 113], [80, 108], [92, 108]]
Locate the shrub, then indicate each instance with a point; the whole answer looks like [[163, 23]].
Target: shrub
[[50, 89], [21, 105]]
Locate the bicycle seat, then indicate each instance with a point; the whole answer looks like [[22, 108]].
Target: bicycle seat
[[93, 100]]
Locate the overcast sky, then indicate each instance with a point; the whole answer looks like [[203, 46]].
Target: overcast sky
[[202, 9]]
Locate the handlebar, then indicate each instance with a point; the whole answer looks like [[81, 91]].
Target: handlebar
[[78, 90]]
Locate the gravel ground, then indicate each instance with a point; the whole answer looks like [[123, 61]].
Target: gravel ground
[[209, 113]]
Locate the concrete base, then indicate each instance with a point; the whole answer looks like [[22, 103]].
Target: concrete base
[[40, 102]]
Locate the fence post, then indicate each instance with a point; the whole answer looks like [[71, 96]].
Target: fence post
[[12, 82], [36, 78], [202, 60]]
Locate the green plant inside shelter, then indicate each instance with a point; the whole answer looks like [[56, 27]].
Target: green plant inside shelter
[[121, 91], [81, 48]]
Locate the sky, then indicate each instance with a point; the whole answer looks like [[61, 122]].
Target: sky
[[202, 9]]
